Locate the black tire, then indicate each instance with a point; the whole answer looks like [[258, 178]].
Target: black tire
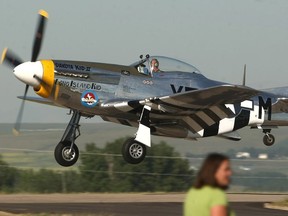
[[61, 155], [133, 152], [268, 139]]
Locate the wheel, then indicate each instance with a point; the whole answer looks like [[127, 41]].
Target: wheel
[[133, 152], [63, 155], [268, 139]]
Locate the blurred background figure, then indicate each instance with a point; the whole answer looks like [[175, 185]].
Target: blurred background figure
[[207, 197]]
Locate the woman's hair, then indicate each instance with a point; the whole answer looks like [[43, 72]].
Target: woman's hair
[[206, 175]]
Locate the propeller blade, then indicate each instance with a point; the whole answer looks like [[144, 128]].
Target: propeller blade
[[39, 35], [9, 58], [16, 129]]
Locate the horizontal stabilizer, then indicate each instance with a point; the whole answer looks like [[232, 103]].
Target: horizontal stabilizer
[[280, 106]]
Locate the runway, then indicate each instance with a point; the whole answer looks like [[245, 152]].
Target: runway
[[128, 209], [106, 204]]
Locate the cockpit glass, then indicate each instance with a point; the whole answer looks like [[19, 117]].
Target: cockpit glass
[[163, 64]]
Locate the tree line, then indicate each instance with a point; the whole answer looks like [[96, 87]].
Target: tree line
[[104, 170]]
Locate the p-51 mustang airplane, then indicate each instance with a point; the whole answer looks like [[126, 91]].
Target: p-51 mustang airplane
[[158, 95]]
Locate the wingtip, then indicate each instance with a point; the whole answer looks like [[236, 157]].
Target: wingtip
[[15, 132], [44, 13], [3, 55]]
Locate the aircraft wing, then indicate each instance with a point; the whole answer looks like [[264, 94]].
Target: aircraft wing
[[194, 110], [187, 102], [201, 99], [39, 100]]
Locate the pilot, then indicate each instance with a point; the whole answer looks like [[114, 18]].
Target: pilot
[[154, 66]]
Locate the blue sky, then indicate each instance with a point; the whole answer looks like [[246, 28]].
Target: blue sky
[[218, 37]]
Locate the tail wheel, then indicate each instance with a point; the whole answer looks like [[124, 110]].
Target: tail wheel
[[268, 139], [133, 152], [64, 155]]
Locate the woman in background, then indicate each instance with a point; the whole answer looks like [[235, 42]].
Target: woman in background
[[207, 197]]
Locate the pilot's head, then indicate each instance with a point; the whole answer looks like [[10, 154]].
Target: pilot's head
[[154, 65]]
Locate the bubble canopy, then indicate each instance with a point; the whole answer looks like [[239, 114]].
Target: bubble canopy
[[167, 64]]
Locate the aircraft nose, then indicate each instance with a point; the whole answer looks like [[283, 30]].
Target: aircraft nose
[[30, 73]]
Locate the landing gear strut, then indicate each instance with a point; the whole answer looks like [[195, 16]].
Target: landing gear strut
[[66, 152], [268, 138]]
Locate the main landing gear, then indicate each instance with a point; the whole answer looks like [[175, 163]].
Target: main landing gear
[[134, 149], [268, 138], [66, 152]]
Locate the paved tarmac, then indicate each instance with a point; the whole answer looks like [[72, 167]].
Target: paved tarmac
[[127, 204], [128, 209]]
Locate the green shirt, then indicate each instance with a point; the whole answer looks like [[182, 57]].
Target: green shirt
[[199, 202]]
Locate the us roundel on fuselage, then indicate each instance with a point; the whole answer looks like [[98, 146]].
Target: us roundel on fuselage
[[89, 98]]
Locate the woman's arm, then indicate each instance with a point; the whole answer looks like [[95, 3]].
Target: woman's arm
[[218, 211]]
